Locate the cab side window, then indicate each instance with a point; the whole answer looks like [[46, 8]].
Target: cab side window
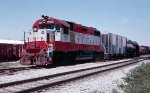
[[57, 27], [42, 27], [66, 30]]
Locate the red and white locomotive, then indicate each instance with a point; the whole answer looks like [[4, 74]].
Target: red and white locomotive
[[54, 41]]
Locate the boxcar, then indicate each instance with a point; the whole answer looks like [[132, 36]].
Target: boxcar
[[10, 50]]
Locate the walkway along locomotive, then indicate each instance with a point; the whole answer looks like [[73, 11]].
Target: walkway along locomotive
[[54, 41]]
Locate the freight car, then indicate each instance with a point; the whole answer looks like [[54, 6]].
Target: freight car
[[54, 41], [10, 50], [144, 50], [147, 50], [132, 49], [115, 45]]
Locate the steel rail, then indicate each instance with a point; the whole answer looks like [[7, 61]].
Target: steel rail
[[54, 75], [65, 73], [13, 69]]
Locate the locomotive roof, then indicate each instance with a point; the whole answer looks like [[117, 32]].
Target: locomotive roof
[[60, 21], [2, 41], [64, 22]]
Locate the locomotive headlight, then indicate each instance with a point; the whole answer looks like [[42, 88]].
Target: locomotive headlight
[[40, 22], [43, 21], [42, 32], [35, 29]]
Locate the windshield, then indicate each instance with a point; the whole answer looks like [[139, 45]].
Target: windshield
[[51, 26]]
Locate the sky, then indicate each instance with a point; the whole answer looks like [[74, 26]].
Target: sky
[[129, 18]]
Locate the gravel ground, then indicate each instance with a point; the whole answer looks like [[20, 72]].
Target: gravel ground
[[104, 82], [27, 74], [100, 82], [10, 64]]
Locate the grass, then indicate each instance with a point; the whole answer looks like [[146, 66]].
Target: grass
[[138, 80], [97, 91]]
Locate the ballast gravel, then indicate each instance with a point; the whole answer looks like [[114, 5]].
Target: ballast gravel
[[33, 73], [107, 82], [12, 64], [104, 82]]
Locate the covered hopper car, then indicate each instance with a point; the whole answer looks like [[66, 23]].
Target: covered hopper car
[[115, 45]]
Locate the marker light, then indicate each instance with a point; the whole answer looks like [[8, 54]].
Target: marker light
[[50, 22], [40, 22], [35, 29]]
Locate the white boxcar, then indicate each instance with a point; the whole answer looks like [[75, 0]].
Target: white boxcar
[[115, 45]]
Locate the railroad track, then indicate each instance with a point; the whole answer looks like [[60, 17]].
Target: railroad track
[[39, 83], [11, 71]]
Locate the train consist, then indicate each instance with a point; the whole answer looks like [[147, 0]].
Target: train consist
[[54, 41], [10, 50]]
